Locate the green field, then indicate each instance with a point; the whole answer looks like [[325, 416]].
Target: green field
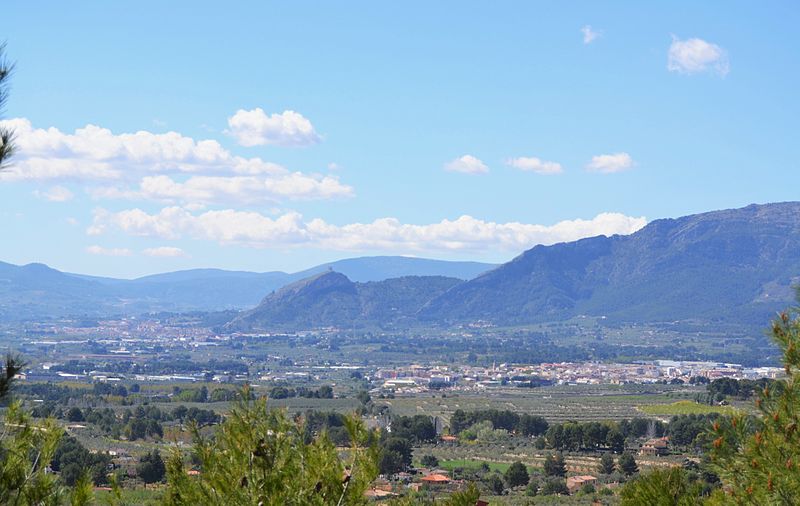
[[686, 408], [556, 403]]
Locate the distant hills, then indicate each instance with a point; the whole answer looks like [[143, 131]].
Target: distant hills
[[37, 291], [331, 299], [734, 266]]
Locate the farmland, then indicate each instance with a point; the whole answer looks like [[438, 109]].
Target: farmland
[[555, 403]]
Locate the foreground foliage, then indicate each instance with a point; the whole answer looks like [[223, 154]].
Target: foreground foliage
[[259, 456], [757, 459], [26, 449]]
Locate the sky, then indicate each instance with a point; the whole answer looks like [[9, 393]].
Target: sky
[[158, 136]]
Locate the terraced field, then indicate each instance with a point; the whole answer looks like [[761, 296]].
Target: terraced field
[[556, 403]]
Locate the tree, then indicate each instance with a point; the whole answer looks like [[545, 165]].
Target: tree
[[6, 134], [75, 415], [615, 440], [758, 460], [662, 487], [531, 425], [606, 464], [151, 467], [467, 497], [495, 484], [554, 465], [25, 447], [627, 464], [555, 486], [12, 366], [71, 473], [395, 455], [429, 461], [516, 475], [259, 455], [363, 397]]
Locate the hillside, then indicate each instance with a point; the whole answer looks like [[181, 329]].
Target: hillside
[[36, 291], [331, 299], [734, 265]]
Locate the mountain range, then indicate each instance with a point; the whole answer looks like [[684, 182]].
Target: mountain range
[[734, 266], [36, 291]]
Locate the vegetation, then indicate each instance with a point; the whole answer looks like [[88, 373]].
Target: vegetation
[[686, 408], [516, 475], [758, 459], [606, 465], [26, 449], [554, 465], [259, 455], [755, 458], [6, 134], [662, 487]]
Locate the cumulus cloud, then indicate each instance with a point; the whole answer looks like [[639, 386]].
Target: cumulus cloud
[[202, 190], [589, 34], [252, 229], [164, 251], [55, 194], [93, 153], [467, 164], [692, 56], [113, 164], [533, 164], [256, 128], [110, 252], [608, 164]]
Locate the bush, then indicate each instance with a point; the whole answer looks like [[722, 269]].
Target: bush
[[555, 486], [429, 461], [516, 475]]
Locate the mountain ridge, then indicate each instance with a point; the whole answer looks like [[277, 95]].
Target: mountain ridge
[[35, 290]]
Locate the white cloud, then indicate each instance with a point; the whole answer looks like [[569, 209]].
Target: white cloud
[[96, 153], [533, 164], [164, 251], [692, 56], [72, 221], [93, 153], [467, 164], [231, 227], [202, 190], [55, 194], [111, 252], [256, 128], [608, 164], [589, 35], [208, 173]]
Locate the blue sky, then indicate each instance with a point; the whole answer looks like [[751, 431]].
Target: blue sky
[[333, 126]]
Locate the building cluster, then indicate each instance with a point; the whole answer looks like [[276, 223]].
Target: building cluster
[[416, 378]]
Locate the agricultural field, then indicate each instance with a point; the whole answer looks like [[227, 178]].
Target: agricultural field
[[686, 408], [555, 403]]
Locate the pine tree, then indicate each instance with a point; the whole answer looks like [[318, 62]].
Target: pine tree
[[6, 134], [516, 475], [606, 464], [26, 448], [758, 460], [662, 487], [259, 456], [627, 464], [554, 465]]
